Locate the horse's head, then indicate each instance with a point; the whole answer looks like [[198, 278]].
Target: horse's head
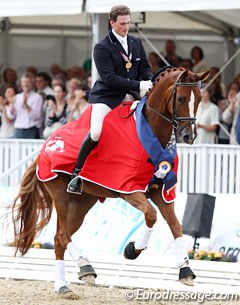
[[175, 98]]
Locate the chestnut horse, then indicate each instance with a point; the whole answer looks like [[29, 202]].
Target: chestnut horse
[[168, 108]]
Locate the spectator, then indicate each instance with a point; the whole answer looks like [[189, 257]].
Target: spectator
[[58, 79], [55, 69], [33, 70], [43, 82], [72, 86], [207, 119], [187, 64], [230, 114], [199, 64], [9, 78], [171, 56], [217, 86], [56, 114], [87, 66], [81, 103], [7, 129], [155, 62], [223, 137], [28, 110]]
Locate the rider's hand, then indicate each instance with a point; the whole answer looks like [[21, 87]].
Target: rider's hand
[[145, 85]]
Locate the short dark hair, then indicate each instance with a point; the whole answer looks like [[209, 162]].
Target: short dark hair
[[119, 10]]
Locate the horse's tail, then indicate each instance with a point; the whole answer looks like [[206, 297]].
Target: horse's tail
[[32, 209]]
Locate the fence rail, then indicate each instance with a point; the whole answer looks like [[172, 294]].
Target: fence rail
[[202, 168]]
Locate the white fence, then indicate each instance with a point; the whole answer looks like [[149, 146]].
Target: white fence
[[202, 168]]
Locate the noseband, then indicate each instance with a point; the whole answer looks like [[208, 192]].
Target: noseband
[[175, 118]]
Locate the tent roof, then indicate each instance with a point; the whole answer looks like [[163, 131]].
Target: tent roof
[[219, 16]]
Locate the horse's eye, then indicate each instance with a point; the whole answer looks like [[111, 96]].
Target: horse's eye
[[181, 99]]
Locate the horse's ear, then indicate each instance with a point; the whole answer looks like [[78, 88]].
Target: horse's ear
[[202, 76], [184, 76]]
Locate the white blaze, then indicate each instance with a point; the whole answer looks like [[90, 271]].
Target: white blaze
[[191, 105]]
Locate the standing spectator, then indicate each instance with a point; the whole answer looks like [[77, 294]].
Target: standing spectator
[[230, 115], [33, 70], [56, 114], [123, 68], [155, 62], [43, 83], [199, 64], [28, 110], [207, 120], [171, 56], [223, 137], [72, 86], [58, 79], [55, 69], [81, 103], [9, 78], [217, 86], [7, 129]]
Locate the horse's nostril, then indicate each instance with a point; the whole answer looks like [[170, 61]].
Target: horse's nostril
[[187, 139]]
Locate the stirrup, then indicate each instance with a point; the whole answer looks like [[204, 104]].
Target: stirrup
[[75, 186]]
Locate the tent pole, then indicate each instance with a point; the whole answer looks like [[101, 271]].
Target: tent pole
[[151, 45]]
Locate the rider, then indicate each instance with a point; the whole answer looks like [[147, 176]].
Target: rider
[[124, 71]]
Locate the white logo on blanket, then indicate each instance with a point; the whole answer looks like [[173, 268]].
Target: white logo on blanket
[[55, 145]]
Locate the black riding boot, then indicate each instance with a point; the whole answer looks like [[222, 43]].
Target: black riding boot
[[86, 147]]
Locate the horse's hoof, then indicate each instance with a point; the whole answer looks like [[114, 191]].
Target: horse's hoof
[[89, 279], [87, 274], [66, 293], [187, 281], [186, 276], [130, 252]]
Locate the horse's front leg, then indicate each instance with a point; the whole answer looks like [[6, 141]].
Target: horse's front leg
[[139, 201], [186, 275]]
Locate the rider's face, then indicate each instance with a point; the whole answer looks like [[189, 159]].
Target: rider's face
[[122, 24]]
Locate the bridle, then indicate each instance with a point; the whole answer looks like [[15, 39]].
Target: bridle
[[175, 118]]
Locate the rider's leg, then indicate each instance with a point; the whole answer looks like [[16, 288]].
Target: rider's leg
[[99, 111]]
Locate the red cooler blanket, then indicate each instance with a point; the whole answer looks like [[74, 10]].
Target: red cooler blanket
[[119, 161]]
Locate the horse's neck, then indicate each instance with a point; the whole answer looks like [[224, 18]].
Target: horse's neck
[[161, 128]]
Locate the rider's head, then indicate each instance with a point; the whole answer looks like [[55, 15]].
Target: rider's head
[[120, 17]]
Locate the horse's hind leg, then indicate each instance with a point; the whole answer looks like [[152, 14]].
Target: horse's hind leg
[[186, 275], [139, 201]]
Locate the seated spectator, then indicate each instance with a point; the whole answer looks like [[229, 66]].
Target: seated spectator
[[207, 120], [28, 110], [230, 114], [43, 83], [199, 64], [171, 56], [80, 104], [56, 113], [7, 129]]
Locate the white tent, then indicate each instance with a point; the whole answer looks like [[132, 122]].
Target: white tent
[[68, 24]]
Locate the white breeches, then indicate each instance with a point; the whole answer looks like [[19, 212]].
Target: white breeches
[[99, 111]]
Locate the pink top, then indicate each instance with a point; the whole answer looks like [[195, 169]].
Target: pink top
[[25, 119]]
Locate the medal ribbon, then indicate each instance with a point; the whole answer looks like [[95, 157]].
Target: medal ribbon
[[125, 58]]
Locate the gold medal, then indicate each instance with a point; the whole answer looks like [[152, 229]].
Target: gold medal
[[128, 65]]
